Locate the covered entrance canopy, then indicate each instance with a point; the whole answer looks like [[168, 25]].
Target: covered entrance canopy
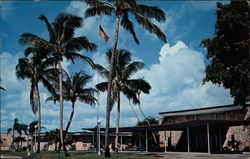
[[183, 126]]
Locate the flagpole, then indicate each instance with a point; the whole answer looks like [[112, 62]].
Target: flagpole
[[98, 97]]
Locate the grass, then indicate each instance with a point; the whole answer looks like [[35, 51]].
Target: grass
[[75, 155]]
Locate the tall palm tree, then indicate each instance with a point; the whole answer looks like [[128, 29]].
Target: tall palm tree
[[74, 89], [38, 69], [61, 43], [122, 82], [122, 9]]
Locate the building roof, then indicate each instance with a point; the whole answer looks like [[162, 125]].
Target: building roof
[[178, 126], [207, 110]]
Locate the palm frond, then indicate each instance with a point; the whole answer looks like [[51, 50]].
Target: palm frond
[[9, 130], [34, 99], [23, 68], [99, 10], [53, 97], [103, 86], [79, 43], [79, 80], [73, 56], [2, 88], [130, 94], [65, 25], [48, 85], [128, 25], [139, 84], [103, 71], [28, 38], [93, 3], [131, 69], [49, 28], [151, 12], [49, 62], [150, 26], [87, 98], [122, 58]]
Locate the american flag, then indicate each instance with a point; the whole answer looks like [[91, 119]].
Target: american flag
[[103, 34]]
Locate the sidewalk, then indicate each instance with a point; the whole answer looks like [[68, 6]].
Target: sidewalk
[[10, 157]]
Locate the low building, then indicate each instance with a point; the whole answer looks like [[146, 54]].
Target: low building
[[212, 130]]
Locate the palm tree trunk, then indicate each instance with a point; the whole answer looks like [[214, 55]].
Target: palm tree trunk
[[107, 153], [37, 96], [69, 122], [148, 123], [134, 111], [61, 108], [70, 118], [117, 124]]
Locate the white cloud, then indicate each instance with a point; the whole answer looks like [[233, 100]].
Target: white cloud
[[177, 82]]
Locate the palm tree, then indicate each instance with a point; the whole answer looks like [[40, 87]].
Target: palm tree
[[38, 69], [61, 43], [122, 9], [53, 137], [20, 128], [74, 89], [122, 82]]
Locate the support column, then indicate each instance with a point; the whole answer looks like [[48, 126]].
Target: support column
[[93, 139], [165, 141], [188, 139], [121, 143], [208, 139], [146, 140], [220, 140]]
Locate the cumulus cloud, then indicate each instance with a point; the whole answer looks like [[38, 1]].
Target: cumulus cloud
[[177, 82]]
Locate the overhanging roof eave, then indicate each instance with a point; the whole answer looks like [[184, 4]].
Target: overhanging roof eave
[[178, 126]]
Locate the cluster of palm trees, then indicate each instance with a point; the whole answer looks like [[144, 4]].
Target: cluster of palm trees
[[21, 128], [43, 62]]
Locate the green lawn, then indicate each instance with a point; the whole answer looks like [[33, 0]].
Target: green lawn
[[76, 155]]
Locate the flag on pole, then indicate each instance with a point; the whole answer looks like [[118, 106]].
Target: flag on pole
[[103, 34]]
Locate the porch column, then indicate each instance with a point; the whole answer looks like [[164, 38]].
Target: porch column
[[188, 139], [165, 141], [220, 140], [208, 139], [121, 143], [93, 139], [146, 140]]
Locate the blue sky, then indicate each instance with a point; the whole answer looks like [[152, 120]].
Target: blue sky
[[175, 69]]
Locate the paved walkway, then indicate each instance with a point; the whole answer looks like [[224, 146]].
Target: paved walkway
[[10, 157], [185, 155], [203, 156]]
